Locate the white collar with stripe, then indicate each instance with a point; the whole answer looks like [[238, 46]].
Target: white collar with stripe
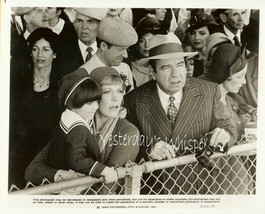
[[70, 120]]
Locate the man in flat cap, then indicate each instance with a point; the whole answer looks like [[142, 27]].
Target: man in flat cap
[[232, 21], [172, 113], [81, 49], [114, 38]]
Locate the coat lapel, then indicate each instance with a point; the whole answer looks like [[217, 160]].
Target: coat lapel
[[191, 102], [154, 112]]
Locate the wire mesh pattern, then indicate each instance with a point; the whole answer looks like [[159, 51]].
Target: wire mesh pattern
[[230, 174]]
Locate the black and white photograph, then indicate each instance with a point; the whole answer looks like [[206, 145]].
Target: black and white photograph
[[132, 107]]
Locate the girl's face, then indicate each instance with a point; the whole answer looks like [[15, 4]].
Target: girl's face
[[110, 103], [143, 44], [42, 54], [198, 37], [160, 14], [236, 81], [88, 110]]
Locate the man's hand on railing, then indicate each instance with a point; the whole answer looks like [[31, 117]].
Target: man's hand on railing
[[110, 175], [162, 150], [219, 137]]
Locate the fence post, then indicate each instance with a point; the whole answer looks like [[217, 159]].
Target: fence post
[[133, 180]]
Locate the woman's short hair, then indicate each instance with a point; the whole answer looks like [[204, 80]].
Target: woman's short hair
[[44, 33], [87, 91]]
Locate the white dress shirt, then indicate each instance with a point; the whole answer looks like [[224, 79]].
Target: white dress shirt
[[164, 99], [83, 48], [231, 36]]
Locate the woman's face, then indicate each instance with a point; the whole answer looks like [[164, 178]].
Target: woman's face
[[236, 81], [110, 103], [198, 37], [160, 14], [42, 54], [143, 44]]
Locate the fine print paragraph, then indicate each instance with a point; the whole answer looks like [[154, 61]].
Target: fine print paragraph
[[106, 203]]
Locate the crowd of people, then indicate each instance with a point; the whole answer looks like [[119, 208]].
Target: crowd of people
[[94, 88]]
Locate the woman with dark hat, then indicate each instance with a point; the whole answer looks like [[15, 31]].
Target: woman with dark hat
[[117, 139], [146, 29], [197, 33], [228, 68], [34, 107]]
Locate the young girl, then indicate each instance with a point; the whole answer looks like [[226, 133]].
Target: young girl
[[73, 145]]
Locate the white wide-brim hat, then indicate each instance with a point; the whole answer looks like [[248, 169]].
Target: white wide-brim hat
[[165, 47]]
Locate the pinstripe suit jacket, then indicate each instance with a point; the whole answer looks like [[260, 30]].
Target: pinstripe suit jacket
[[200, 112]]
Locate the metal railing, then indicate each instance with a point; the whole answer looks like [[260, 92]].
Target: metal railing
[[180, 175]]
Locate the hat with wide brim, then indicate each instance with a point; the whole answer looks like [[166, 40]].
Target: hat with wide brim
[[96, 13], [197, 22], [20, 11], [165, 47]]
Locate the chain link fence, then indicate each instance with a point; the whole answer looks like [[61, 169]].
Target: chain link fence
[[231, 173]]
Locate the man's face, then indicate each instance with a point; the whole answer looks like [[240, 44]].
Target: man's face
[[52, 13], [170, 75], [86, 28], [38, 17], [114, 55], [234, 19]]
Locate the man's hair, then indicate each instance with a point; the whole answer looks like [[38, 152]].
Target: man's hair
[[87, 91]]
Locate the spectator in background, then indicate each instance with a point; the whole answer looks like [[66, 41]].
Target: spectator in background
[[81, 49], [232, 23], [32, 18], [228, 69], [145, 29], [247, 96], [198, 31], [63, 28], [115, 36], [34, 104]]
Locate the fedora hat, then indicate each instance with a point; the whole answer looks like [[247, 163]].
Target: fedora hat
[[165, 47], [96, 13]]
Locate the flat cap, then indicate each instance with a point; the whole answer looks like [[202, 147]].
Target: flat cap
[[98, 74], [117, 32], [96, 13], [20, 11]]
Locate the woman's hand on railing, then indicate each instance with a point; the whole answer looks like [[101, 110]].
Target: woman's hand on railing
[[62, 175], [110, 175]]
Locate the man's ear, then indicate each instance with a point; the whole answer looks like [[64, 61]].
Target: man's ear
[[26, 18], [153, 74], [103, 45], [223, 17], [58, 12]]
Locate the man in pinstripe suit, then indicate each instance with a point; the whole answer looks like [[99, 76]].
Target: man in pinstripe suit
[[199, 111]]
